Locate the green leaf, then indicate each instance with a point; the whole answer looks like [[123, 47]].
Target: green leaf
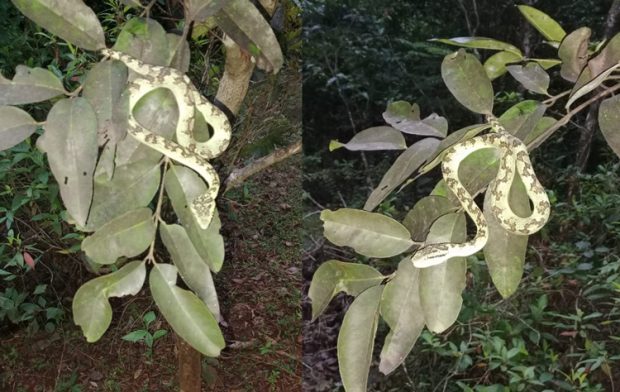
[[541, 126], [160, 333], [609, 122], [375, 138], [188, 316], [520, 119], [495, 66], [453, 138], [149, 317], [426, 211], [182, 186], [127, 235], [549, 28], [70, 141], [402, 311], [133, 186], [15, 126], [132, 3], [103, 88], [244, 23], [547, 63], [71, 20], [505, 251], [406, 118], [573, 52], [356, 339], [135, 336], [532, 76], [144, 39], [194, 271], [441, 285], [582, 88], [179, 52], [199, 10], [480, 43], [467, 81], [369, 234], [399, 111], [404, 166], [29, 85], [334, 276], [158, 112], [91, 309]]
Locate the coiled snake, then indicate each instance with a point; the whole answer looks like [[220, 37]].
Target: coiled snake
[[514, 159], [186, 150]]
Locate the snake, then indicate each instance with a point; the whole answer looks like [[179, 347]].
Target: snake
[[186, 150], [514, 158]]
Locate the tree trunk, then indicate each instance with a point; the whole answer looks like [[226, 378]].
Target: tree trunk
[[190, 367]]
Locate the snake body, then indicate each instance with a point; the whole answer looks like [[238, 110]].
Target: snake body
[[186, 150], [514, 158]]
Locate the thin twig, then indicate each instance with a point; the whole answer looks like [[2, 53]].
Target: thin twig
[[238, 176]]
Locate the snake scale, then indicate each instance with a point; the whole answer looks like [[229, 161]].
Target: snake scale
[[186, 150], [514, 158]]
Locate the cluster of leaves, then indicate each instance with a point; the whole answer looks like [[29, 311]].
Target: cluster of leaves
[[107, 181], [411, 298]]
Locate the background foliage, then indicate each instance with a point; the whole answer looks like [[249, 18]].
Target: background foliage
[[559, 331]]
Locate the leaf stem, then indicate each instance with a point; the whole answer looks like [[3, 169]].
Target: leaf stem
[[564, 120], [150, 257], [551, 101]]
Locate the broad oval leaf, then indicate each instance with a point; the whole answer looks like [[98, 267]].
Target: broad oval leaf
[[71, 20], [548, 27], [547, 63], [402, 311], [91, 309], [30, 85], [504, 251], [532, 76], [144, 39], [453, 138], [15, 126], [199, 10], [70, 141], [133, 186], [480, 43], [368, 233], [582, 88], [441, 285], [244, 23], [426, 211], [532, 139], [521, 119], [573, 52], [127, 235], [467, 81], [179, 52], [334, 276], [356, 339], [609, 122], [495, 66], [103, 87], [404, 166], [158, 112], [194, 271], [182, 186], [375, 138], [188, 316], [399, 111], [406, 118]]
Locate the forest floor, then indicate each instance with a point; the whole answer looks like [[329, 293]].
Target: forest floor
[[259, 289]]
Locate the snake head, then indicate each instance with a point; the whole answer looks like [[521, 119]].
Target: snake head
[[429, 256]]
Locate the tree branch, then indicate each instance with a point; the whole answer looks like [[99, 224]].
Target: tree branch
[[239, 175]]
